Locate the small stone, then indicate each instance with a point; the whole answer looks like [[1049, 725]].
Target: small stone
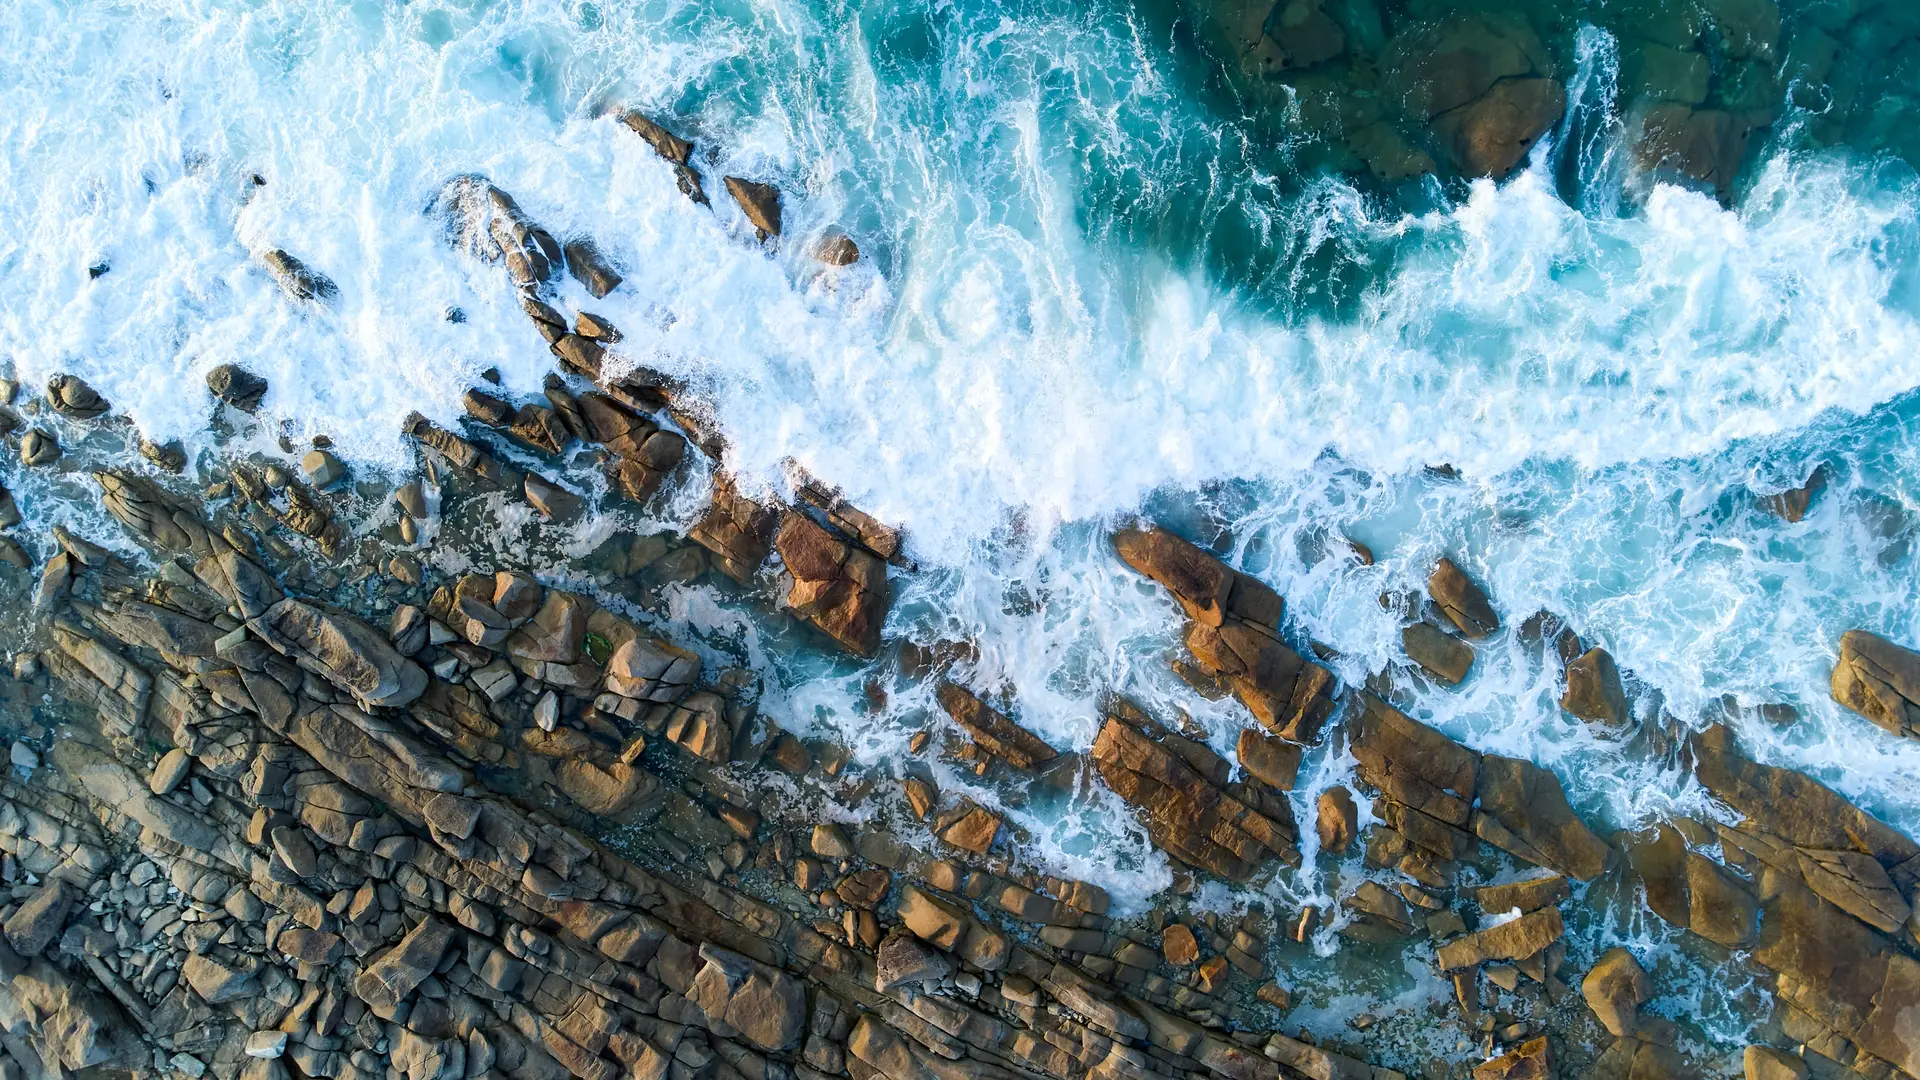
[[830, 843], [546, 711], [24, 756]]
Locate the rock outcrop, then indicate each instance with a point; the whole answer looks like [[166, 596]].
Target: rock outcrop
[[1880, 681], [839, 588], [1233, 633]]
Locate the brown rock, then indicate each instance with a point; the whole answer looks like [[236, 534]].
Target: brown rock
[[1271, 761], [1491, 135], [1880, 681], [1527, 894], [903, 960], [991, 730], [737, 530], [836, 249], [390, 979], [1594, 691], [1528, 801], [840, 589], [1792, 504], [1531, 1060], [760, 202], [1660, 861], [1179, 946], [1337, 820], [1704, 145], [1720, 908], [1515, 940], [1766, 1063], [1461, 600], [973, 831], [1207, 589], [1289, 695], [1615, 988], [1438, 653]]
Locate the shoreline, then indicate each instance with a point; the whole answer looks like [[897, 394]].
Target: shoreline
[[397, 838]]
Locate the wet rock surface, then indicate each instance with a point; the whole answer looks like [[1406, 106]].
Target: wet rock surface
[[322, 800]]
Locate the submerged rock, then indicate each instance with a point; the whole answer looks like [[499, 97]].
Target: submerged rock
[[297, 279]]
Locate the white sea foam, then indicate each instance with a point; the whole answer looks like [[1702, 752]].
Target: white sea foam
[[1003, 380]]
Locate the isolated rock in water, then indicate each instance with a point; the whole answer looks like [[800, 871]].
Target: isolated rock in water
[[322, 469], [760, 202], [991, 729], [1880, 681], [1615, 988], [237, 387], [1594, 691], [590, 268], [836, 249], [839, 588], [676, 150], [71, 396], [1464, 602], [1792, 504], [1491, 135], [1439, 653], [297, 280], [38, 448]]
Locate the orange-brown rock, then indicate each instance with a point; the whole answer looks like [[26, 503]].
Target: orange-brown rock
[[1337, 820], [1462, 600], [1594, 691], [991, 730], [1207, 589], [1288, 694], [1491, 135], [737, 530], [839, 588], [1187, 815], [1272, 761], [1531, 1060], [1179, 946], [1880, 681]]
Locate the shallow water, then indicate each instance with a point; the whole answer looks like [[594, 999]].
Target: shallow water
[[1103, 275]]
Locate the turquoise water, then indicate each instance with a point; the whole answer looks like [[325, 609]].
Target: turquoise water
[[1105, 270]]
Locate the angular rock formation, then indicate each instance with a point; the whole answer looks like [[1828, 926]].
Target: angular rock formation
[[1185, 801], [991, 730], [760, 202], [677, 151], [1461, 600], [839, 588], [1438, 797], [236, 386], [1594, 690], [1233, 633], [737, 530], [1880, 681]]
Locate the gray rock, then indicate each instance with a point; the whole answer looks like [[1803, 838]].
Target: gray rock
[[237, 387], [37, 922], [298, 280], [71, 396], [171, 770], [343, 650], [389, 980]]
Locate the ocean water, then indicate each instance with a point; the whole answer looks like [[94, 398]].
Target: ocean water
[[1101, 277]]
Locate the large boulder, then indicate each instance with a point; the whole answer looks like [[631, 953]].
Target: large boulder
[[1594, 690], [1880, 681], [1615, 988], [342, 649], [991, 730], [839, 588]]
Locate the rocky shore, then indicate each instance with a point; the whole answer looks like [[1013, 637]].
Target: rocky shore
[[288, 800]]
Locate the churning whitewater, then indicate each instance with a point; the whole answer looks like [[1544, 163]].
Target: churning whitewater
[[1090, 289]]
